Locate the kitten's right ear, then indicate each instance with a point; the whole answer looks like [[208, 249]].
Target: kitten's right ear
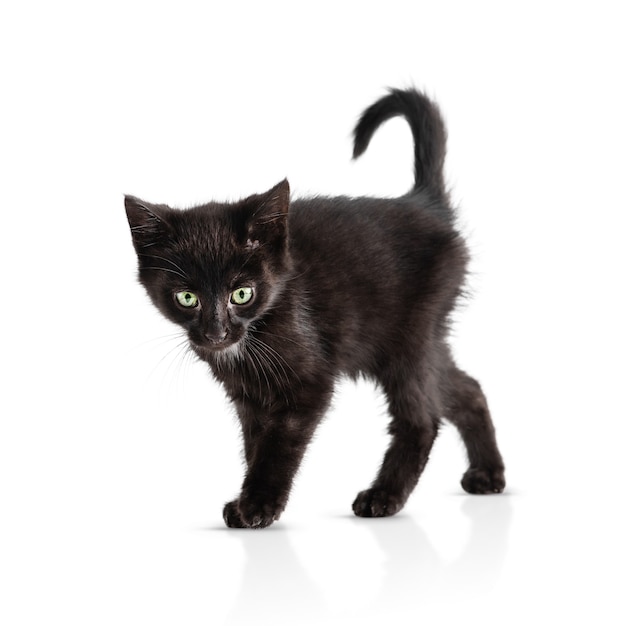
[[147, 222]]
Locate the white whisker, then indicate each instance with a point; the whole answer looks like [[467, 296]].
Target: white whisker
[[166, 269], [162, 258], [279, 359], [177, 349], [256, 361]]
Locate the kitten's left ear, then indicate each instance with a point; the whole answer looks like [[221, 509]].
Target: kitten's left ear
[[148, 222], [269, 220]]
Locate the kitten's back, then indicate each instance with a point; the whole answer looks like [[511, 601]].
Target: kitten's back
[[373, 269]]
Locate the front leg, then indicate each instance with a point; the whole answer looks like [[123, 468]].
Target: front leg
[[274, 447]]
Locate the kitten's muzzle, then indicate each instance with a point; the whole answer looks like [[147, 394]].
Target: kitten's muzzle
[[215, 338], [216, 342]]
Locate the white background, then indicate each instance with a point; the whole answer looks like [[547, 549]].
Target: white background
[[117, 452]]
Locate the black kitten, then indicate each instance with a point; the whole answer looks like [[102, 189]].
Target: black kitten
[[281, 298]]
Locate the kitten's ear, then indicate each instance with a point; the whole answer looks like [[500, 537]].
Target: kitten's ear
[[148, 222], [269, 219]]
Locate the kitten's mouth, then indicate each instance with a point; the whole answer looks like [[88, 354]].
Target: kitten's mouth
[[217, 344]]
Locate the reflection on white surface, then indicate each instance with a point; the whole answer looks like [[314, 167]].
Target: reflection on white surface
[[275, 583], [400, 570], [415, 569]]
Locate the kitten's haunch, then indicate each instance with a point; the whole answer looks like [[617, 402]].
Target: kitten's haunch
[[282, 297]]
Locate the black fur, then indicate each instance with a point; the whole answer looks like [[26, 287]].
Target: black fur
[[341, 286]]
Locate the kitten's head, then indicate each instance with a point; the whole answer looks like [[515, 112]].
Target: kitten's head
[[216, 268]]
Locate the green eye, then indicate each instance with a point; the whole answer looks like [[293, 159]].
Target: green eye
[[242, 295], [187, 299]]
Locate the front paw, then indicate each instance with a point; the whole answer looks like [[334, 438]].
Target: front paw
[[481, 481], [250, 512], [231, 515], [376, 503]]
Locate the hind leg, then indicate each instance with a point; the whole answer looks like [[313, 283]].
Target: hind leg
[[413, 430], [468, 411]]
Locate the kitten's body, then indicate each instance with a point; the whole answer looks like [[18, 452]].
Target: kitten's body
[[339, 286]]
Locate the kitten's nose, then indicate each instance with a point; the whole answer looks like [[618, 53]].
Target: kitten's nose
[[216, 336]]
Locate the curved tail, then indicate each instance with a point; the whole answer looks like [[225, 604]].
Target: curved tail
[[429, 134]]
